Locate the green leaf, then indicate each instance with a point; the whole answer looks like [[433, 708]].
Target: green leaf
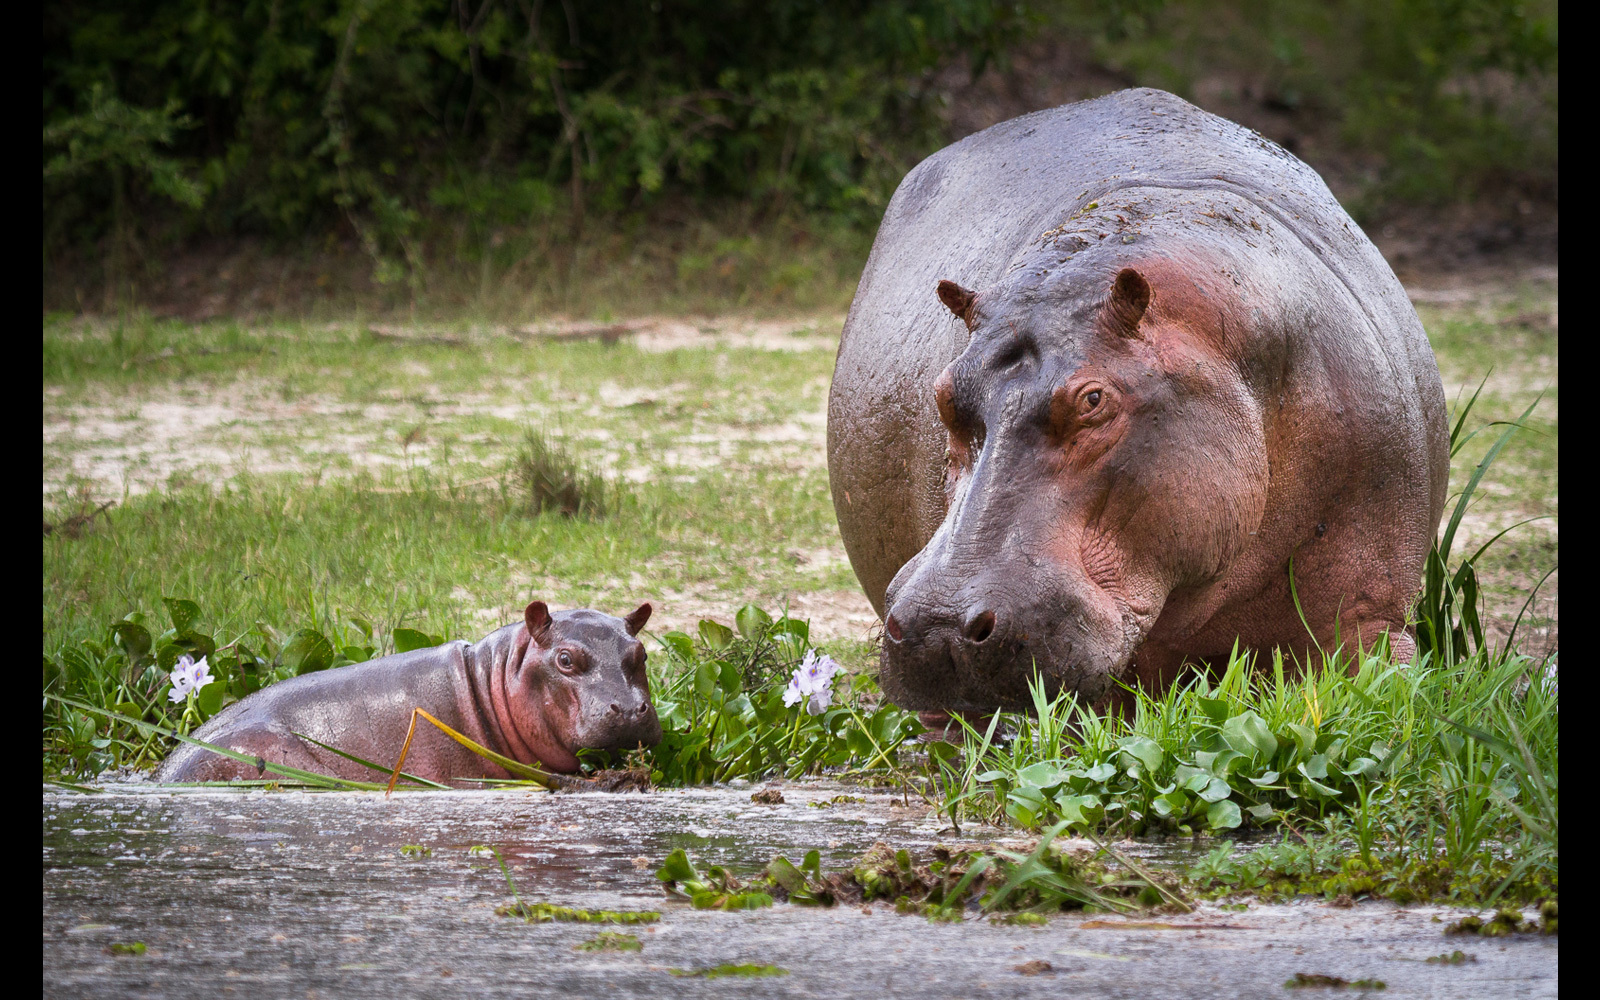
[[729, 679], [1362, 766], [407, 639], [1101, 772], [1145, 751], [307, 651], [1267, 778], [357, 654], [1216, 709], [1223, 815], [716, 637], [677, 868], [209, 700], [680, 645], [183, 613], [1248, 734], [1305, 738], [1216, 790], [133, 638], [1315, 767], [1081, 810], [1042, 775], [786, 874], [751, 621], [706, 676]]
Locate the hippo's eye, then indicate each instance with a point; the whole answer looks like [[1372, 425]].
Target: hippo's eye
[[564, 660], [1092, 399]]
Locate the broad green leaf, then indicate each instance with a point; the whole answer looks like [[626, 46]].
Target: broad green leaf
[[1216, 791], [729, 678], [1146, 751], [183, 614], [679, 644], [1042, 775], [717, 637], [133, 638], [407, 639], [1267, 778], [786, 874], [1248, 734], [1171, 804], [676, 868], [1223, 815], [1101, 773], [356, 654], [1081, 810], [1362, 766], [1315, 767], [1025, 805], [307, 651], [209, 700], [1304, 737], [1216, 709], [1261, 811], [705, 678], [751, 620]]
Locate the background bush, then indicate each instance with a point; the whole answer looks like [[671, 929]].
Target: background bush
[[399, 126]]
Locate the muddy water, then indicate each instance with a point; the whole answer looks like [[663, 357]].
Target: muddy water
[[302, 894]]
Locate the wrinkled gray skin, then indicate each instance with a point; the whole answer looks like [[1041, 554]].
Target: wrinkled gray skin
[[537, 692], [1097, 445]]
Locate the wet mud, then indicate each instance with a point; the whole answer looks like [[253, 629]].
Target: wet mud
[[309, 894]]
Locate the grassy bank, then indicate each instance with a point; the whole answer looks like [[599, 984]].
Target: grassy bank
[[323, 493]]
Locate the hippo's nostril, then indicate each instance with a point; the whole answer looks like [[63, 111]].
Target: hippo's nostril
[[615, 709], [980, 626], [893, 628]]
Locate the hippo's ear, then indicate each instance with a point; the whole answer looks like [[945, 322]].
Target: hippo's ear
[[1130, 297], [958, 300], [636, 620], [538, 618]]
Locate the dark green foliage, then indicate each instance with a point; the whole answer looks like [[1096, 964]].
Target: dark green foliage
[[1442, 100], [480, 123], [502, 111]]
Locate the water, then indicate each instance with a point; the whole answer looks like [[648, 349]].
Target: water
[[306, 894]]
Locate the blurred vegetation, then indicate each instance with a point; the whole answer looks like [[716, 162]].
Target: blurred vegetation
[[453, 134]]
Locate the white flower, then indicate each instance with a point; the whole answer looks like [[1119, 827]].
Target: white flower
[[187, 675], [813, 682]]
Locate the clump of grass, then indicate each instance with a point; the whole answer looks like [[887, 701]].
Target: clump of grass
[[549, 478], [746, 970], [610, 941]]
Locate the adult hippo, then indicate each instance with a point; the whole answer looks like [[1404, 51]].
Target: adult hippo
[[1109, 369], [537, 692]]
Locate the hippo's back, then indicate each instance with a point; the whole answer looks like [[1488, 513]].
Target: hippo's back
[[966, 212]]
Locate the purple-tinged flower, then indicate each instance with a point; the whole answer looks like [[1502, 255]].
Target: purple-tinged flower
[[813, 682], [189, 675]]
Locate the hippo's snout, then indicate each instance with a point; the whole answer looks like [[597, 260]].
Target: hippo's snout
[[623, 725], [971, 644]]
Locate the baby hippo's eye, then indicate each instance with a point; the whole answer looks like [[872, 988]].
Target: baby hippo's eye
[[1092, 399], [564, 660]]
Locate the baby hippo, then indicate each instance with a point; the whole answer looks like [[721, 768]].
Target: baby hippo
[[537, 691]]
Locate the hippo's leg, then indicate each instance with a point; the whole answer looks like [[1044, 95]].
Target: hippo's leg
[[192, 763]]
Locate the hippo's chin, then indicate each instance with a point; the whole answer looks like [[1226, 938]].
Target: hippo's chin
[[946, 683]]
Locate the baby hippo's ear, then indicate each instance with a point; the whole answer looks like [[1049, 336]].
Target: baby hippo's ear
[[636, 621], [538, 618]]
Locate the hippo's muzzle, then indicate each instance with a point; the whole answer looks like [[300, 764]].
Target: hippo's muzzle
[[976, 644], [623, 723]]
